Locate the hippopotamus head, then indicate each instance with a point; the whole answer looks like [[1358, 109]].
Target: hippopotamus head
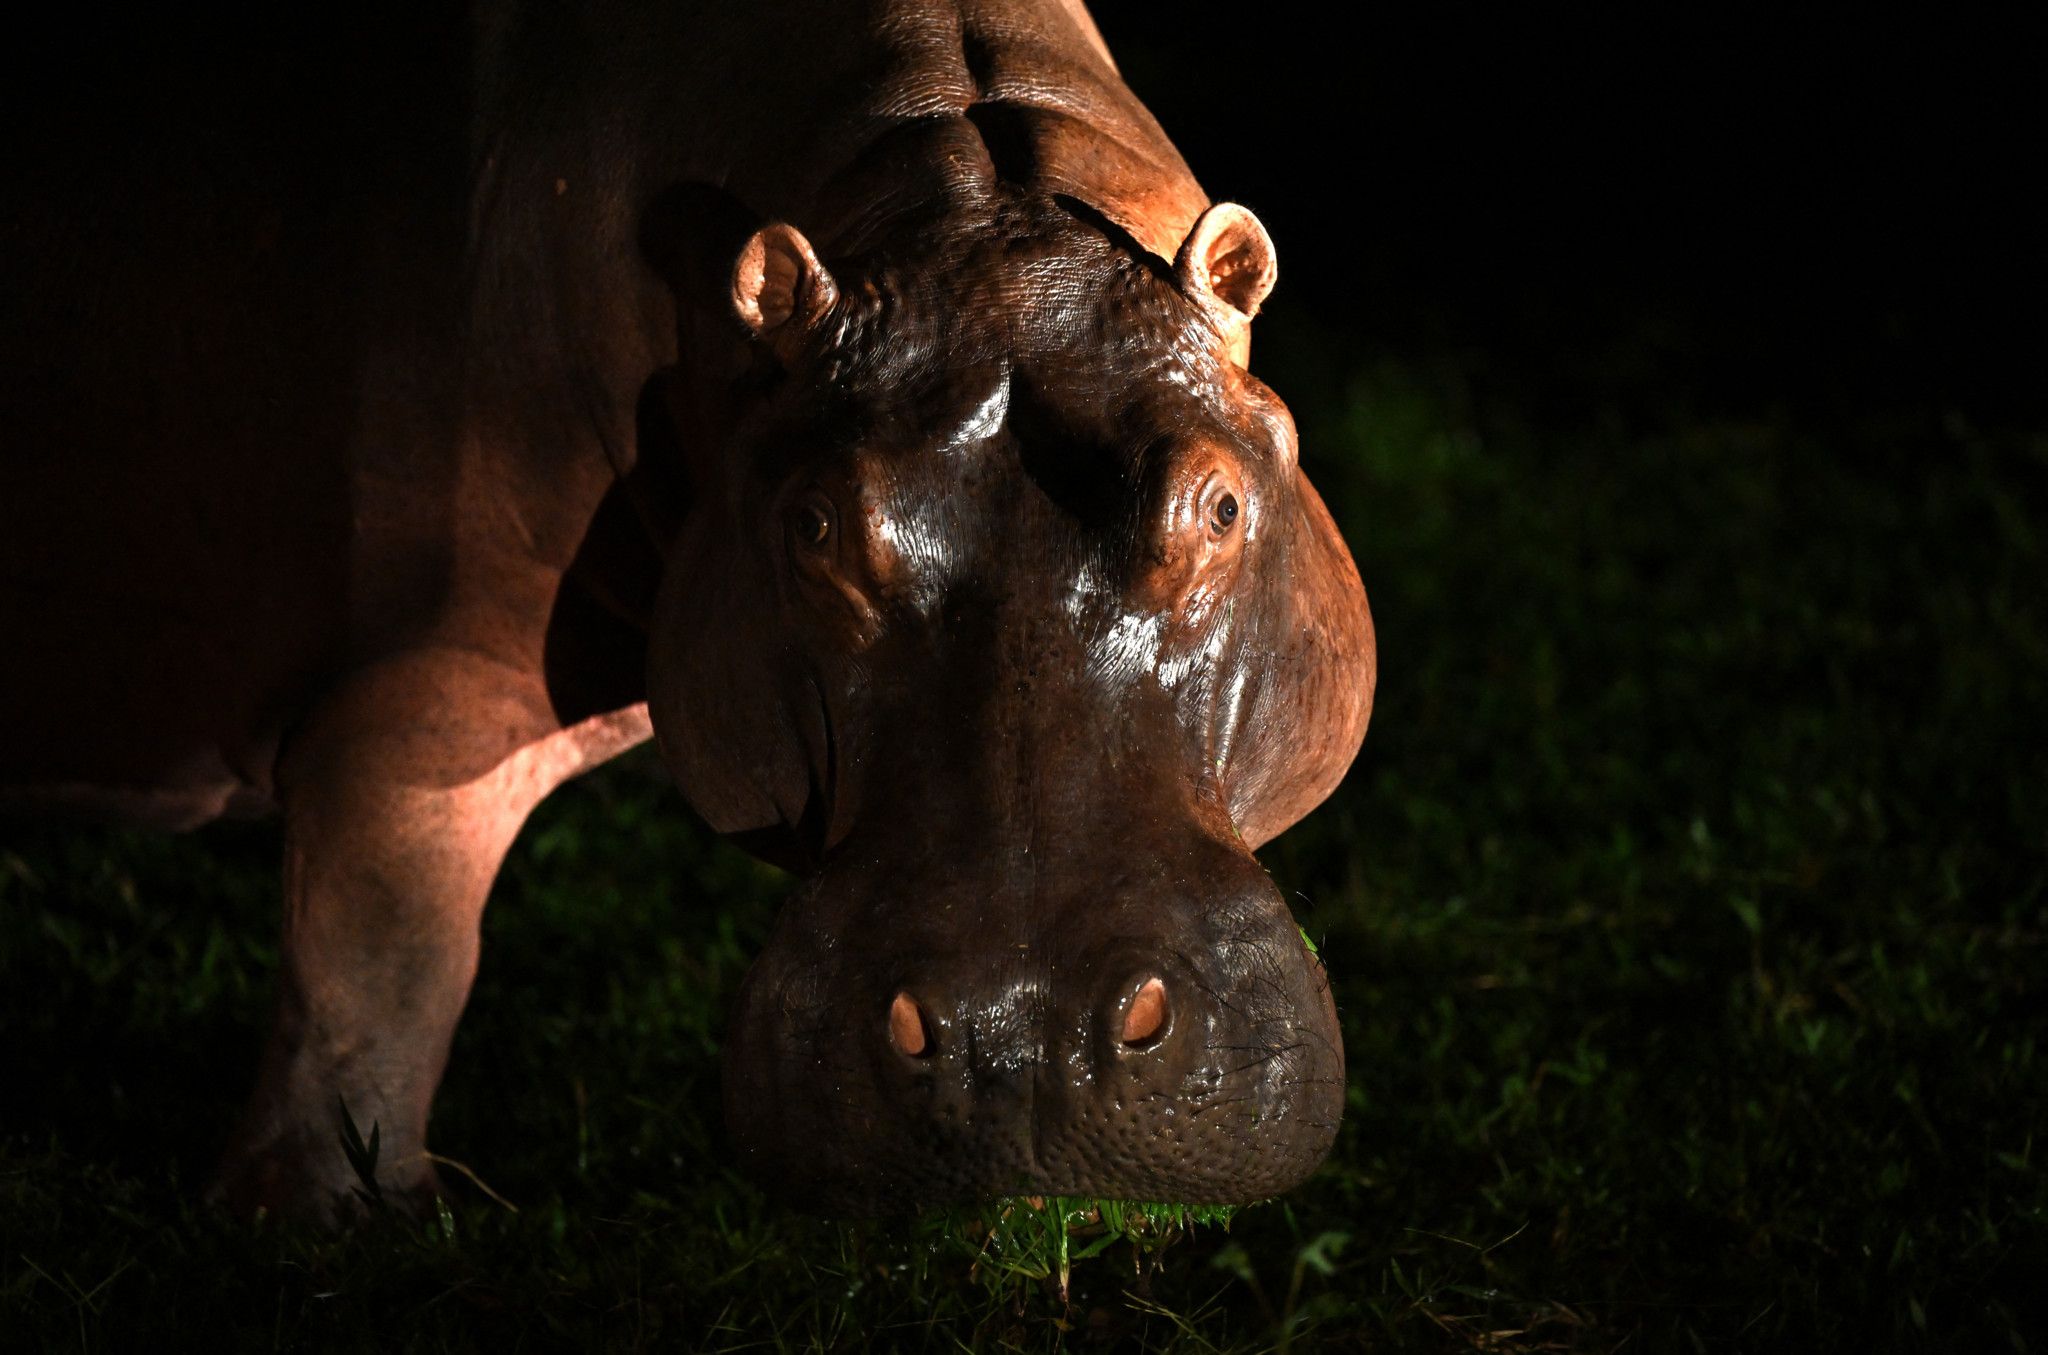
[[1004, 611]]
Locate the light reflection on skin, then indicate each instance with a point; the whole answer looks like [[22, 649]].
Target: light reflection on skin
[[915, 555], [987, 417], [1130, 648], [1013, 1007], [915, 549], [919, 556], [1171, 671]]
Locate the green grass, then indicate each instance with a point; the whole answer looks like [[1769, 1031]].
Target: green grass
[[1686, 913]]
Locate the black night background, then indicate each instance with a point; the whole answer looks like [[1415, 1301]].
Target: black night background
[[1677, 384]]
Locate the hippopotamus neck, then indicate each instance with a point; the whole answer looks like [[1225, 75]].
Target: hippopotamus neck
[[1018, 96], [843, 137], [915, 110]]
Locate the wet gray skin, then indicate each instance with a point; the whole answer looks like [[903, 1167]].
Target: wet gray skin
[[1044, 633]]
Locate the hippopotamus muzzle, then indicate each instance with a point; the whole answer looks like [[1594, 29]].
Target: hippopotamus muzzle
[[1158, 1033], [1031, 632]]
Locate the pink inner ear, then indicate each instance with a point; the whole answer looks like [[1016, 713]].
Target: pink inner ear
[[1234, 277], [1228, 263], [775, 278], [1240, 270], [776, 300]]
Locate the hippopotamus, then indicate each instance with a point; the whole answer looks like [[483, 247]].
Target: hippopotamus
[[402, 419]]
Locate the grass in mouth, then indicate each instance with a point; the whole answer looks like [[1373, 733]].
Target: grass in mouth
[[1038, 1238]]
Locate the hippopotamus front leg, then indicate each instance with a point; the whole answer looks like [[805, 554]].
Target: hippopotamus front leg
[[402, 793]]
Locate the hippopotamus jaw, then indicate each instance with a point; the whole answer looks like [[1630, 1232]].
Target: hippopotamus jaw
[[1132, 1049]]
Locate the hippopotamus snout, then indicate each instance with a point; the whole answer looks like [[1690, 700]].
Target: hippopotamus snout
[[1165, 1043]]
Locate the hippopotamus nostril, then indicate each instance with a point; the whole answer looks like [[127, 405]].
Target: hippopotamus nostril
[[909, 1031], [1146, 1015]]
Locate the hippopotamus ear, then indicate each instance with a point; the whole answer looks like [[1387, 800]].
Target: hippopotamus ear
[[780, 291], [1226, 266], [718, 254], [735, 741]]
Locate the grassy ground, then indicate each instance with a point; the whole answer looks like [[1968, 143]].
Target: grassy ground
[[1686, 912]]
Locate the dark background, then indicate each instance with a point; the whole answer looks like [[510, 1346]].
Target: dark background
[[1772, 211], [1677, 384]]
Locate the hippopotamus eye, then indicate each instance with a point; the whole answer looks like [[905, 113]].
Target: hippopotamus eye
[[1223, 514], [811, 523]]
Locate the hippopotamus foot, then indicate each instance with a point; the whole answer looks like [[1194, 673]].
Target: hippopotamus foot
[[284, 1162], [401, 793]]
